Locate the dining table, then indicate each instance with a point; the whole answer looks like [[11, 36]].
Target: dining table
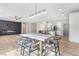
[[40, 37]]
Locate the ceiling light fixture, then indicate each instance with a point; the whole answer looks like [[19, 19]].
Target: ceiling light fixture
[[37, 13], [17, 17], [60, 9]]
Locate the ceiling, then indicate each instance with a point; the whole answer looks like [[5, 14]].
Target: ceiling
[[55, 11]]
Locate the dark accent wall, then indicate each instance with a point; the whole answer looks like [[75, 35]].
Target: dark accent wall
[[9, 27]]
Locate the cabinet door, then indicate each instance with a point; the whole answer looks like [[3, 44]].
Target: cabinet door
[[33, 27], [23, 28]]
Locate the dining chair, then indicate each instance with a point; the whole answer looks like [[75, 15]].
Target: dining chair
[[56, 45], [30, 47], [53, 45], [20, 42]]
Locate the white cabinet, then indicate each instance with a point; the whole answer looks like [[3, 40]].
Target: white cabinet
[[33, 27], [29, 27]]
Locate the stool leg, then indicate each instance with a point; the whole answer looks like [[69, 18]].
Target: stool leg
[[45, 51], [38, 52], [29, 51], [23, 51], [58, 49], [55, 50]]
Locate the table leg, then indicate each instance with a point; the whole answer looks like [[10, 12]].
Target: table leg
[[40, 45]]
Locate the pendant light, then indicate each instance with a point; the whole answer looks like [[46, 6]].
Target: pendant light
[[37, 13]]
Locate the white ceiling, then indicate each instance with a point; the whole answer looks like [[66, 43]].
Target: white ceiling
[[25, 9]]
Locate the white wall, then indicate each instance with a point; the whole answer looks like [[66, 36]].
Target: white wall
[[74, 27]]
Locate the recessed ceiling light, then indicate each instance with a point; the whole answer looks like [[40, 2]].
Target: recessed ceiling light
[[39, 14], [30, 16], [60, 9], [35, 15], [44, 12]]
